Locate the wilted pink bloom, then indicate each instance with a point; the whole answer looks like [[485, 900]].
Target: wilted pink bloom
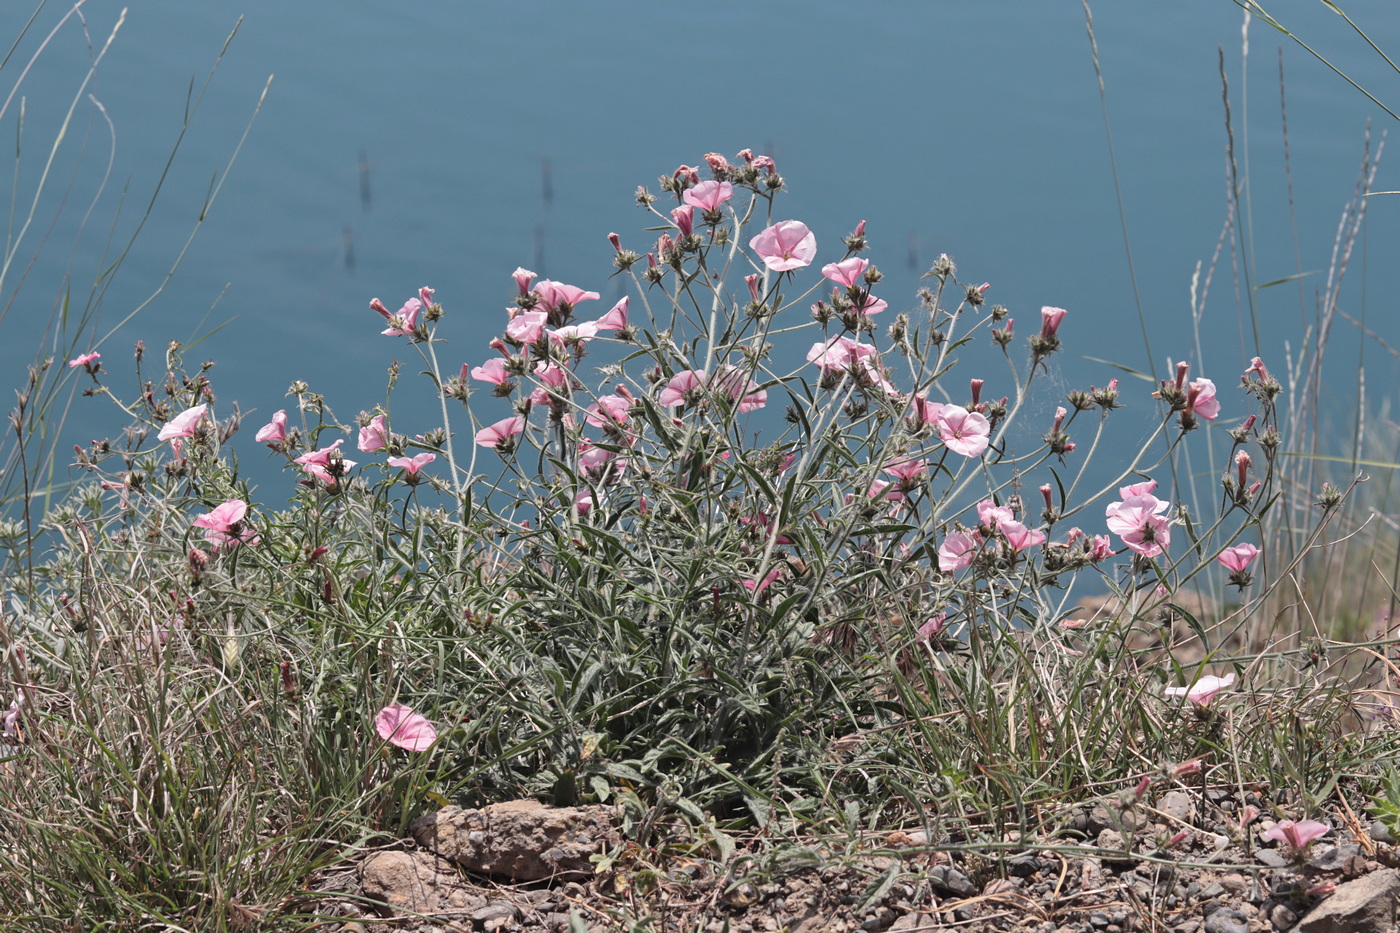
[[317, 463], [492, 371], [85, 359], [527, 327], [786, 245], [992, 515], [1201, 400], [1101, 548], [402, 323], [412, 464], [925, 412], [523, 278], [958, 550], [757, 587], [847, 272], [964, 432], [717, 162], [374, 436], [1256, 366], [1050, 319], [400, 725], [609, 410], [1202, 691], [708, 195], [503, 430], [681, 385], [871, 305], [932, 627], [1187, 768], [762, 520], [554, 384], [275, 431], [556, 296], [184, 424], [1020, 537], [684, 219], [755, 295], [616, 318], [225, 525], [1297, 836], [1239, 557]]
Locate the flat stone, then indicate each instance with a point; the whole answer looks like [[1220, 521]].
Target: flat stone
[[1271, 857], [1227, 920], [1366, 905], [949, 880], [520, 839], [1178, 805]]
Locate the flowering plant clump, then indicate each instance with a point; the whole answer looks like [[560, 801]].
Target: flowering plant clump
[[686, 538]]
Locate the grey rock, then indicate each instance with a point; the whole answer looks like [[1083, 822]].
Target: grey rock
[[1332, 858], [521, 839], [1227, 920], [1178, 805], [1282, 918], [949, 880], [1215, 890], [1381, 833], [1366, 905], [1271, 857], [495, 911]]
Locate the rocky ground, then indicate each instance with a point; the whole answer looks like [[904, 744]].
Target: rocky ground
[[521, 866]]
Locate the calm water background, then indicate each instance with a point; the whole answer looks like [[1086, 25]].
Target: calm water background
[[974, 129]]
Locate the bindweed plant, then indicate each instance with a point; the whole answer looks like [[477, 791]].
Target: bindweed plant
[[747, 546]]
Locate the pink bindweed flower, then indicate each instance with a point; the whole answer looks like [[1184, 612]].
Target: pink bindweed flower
[[681, 387], [1020, 537], [733, 382], [958, 550], [880, 489], [847, 272], [502, 431], [932, 627], [964, 432], [1239, 557], [1138, 520], [991, 515], [755, 293], [871, 305], [924, 411], [1050, 319], [1297, 836], [374, 436], [838, 354], [1256, 367], [1201, 400], [1202, 691], [554, 384], [574, 333], [317, 464], [412, 464], [402, 323], [908, 472], [758, 586], [527, 327], [560, 299], [523, 277], [225, 525], [684, 219], [400, 725], [785, 246], [708, 195], [616, 318], [181, 426], [492, 371], [275, 431], [86, 360], [608, 411], [592, 458], [1100, 548]]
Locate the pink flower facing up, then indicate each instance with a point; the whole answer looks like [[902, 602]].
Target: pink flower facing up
[[412, 465], [608, 411], [1202, 691], [848, 272], [964, 432], [400, 725], [326, 464], [225, 525], [785, 246], [374, 436], [275, 431], [527, 327], [1297, 836], [990, 515], [1138, 519], [708, 195], [958, 550], [87, 360], [1236, 559], [499, 433]]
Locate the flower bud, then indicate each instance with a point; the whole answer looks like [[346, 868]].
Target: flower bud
[[616, 241]]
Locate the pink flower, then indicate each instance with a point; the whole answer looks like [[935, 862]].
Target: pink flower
[[932, 627], [374, 436], [964, 432], [402, 323], [958, 550], [871, 305], [1202, 691], [708, 195], [758, 586], [732, 381], [1050, 319], [786, 245], [616, 318], [1297, 836], [879, 489], [925, 412], [412, 464], [847, 272], [1101, 548], [684, 219], [527, 326], [554, 385], [581, 332], [1201, 400], [1020, 537], [184, 424], [317, 464], [225, 525], [500, 432], [680, 387], [608, 411], [492, 371], [592, 458], [1239, 557], [86, 360], [992, 515], [275, 431], [1138, 521], [906, 471], [400, 725], [556, 296], [1137, 489], [523, 277], [837, 354]]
